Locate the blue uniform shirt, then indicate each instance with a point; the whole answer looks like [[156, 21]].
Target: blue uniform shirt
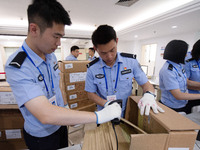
[[192, 68], [171, 78], [71, 57], [92, 58], [129, 69], [26, 85]]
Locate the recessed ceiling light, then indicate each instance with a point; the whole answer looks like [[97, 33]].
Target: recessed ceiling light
[[135, 36], [174, 27]]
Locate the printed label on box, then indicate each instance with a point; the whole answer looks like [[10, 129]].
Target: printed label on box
[[74, 96], [7, 98], [70, 87], [74, 105], [68, 66], [76, 77], [170, 148], [13, 134]]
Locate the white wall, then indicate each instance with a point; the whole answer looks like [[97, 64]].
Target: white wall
[[136, 46]]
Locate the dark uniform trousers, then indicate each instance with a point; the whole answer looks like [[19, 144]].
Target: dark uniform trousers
[[57, 140]]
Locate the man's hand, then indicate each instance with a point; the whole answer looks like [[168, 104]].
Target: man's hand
[[147, 102], [108, 113]]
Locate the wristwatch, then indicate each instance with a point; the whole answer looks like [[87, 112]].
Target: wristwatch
[[151, 93]]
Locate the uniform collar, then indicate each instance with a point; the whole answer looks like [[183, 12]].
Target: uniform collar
[[36, 59], [175, 64], [119, 59]]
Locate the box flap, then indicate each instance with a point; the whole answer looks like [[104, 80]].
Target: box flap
[[170, 119], [8, 106]]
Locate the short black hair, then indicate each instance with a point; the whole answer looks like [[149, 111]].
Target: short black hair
[[176, 51], [73, 48], [196, 50], [45, 12], [103, 34], [92, 49]]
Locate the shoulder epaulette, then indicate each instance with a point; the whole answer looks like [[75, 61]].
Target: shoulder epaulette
[[92, 62], [188, 60], [128, 55], [170, 67], [18, 60]]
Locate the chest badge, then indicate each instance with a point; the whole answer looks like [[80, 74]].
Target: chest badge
[[55, 67], [126, 71], [99, 76], [195, 66], [40, 78]]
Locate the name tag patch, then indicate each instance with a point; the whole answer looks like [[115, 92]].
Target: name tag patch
[[99, 76], [126, 71], [195, 66], [55, 67], [40, 78]]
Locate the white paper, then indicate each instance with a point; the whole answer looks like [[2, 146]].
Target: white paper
[[7, 98], [171, 148], [68, 66], [13, 134], [74, 96], [74, 105], [76, 77], [70, 87]]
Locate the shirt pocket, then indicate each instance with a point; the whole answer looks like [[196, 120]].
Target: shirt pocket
[[56, 78], [125, 80], [101, 85], [194, 71]]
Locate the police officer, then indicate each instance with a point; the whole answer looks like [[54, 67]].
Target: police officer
[[173, 79], [74, 53], [192, 68], [91, 54], [109, 77], [33, 75]]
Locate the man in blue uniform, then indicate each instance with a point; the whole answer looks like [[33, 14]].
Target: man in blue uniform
[[33, 75], [173, 80], [109, 77], [74, 53], [91, 54]]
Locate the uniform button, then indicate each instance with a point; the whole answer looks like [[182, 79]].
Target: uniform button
[[113, 80], [99, 82]]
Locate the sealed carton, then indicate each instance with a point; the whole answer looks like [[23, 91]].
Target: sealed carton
[[73, 66], [6, 94]]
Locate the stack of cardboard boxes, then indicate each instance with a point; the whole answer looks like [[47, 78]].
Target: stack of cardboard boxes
[[72, 84], [11, 120]]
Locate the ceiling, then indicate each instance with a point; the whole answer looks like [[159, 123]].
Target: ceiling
[[142, 20]]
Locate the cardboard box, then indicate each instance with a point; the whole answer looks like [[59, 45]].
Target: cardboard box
[[10, 117], [73, 66], [76, 86], [163, 131], [74, 77], [6, 94], [76, 95], [11, 128], [166, 131], [79, 103], [91, 108]]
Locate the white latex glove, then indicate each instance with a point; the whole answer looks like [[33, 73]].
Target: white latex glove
[[147, 102], [66, 106], [108, 113]]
